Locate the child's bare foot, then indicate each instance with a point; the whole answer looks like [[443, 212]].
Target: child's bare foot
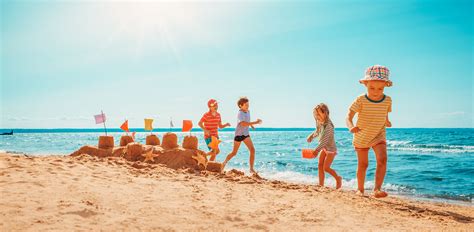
[[380, 194], [252, 171], [359, 193], [338, 182], [223, 166]]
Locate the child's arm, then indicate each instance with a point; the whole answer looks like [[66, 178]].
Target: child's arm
[[223, 125], [201, 124], [311, 136], [387, 122], [328, 133], [250, 123], [350, 124]]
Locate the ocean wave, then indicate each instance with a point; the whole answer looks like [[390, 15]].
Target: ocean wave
[[13, 152], [351, 184], [428, 148]]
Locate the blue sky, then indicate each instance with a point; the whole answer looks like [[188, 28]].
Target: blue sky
[[62, 62]]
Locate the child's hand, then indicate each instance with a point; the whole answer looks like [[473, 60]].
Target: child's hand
[[309, 138], [206, 132], [316, 153], [354, 129], [388, 124], [227, 124], [259, 121]]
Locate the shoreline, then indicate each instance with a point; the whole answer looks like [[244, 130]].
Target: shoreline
[[90, 193]]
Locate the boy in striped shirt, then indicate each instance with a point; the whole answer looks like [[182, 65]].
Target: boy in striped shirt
[[210, 123], [372, 111]]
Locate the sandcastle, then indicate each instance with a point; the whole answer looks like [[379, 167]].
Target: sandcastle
[[168, 152], [106, 142], [125, 139], [152, 140]]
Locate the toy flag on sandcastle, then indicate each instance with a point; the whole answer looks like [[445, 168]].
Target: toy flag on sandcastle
[[151, 139], [171, 123], [100, 118], [187, 126], [124, 127], [126, 139], [149, 124], [106, 141]]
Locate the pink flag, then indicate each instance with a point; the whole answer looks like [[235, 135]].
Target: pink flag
[[100, 118]]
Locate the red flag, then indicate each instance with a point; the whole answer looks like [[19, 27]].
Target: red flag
[[124, 126], [187, 125]]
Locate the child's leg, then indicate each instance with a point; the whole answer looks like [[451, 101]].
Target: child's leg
[[213, 156], [214, 153], [232, 154], [322, 158], [248, 142], [381, 157], [327, 167], [362, 164]]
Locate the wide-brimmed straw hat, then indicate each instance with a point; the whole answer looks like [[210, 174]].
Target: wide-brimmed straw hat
[[377, 73]]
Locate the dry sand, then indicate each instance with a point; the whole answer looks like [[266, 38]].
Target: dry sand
[[65, 193]]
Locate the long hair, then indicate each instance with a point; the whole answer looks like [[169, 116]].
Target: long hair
[[325, 110]]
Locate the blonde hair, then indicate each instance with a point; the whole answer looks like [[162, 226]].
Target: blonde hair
[[325, 110]]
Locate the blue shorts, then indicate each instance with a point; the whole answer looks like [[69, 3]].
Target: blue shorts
[[209, 140]]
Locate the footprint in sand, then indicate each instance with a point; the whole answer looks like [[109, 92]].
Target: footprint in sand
[[85, 213]]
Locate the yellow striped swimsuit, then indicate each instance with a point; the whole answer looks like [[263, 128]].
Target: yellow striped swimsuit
[[372, 116]]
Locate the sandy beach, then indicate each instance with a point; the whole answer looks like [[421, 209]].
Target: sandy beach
[[65, 193]]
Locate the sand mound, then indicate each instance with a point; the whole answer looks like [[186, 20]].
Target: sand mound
[[214, 166], [93, 151], [125, 139], [170, 141], [152, 140], [134, 151], [106, 142], [180, 158], [190, 142]]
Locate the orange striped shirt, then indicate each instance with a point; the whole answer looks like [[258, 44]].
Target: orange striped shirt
[[371, 119], [211, 123]]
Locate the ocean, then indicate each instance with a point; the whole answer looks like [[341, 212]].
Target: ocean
[[434, 164]]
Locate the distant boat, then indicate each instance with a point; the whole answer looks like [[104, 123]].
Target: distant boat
[[7, 133]]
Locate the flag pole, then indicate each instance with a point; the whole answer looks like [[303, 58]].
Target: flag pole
[[105, 128]]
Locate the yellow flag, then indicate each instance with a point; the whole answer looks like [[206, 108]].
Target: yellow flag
[[148, 124]]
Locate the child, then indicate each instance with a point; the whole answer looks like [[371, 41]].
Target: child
[[325, 133], [372, 109], [209, 123], [242, 133]]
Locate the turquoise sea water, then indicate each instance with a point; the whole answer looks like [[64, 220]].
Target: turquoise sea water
[[423, 163]]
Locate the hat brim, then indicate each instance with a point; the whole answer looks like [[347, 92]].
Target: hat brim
[[387, 83]]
